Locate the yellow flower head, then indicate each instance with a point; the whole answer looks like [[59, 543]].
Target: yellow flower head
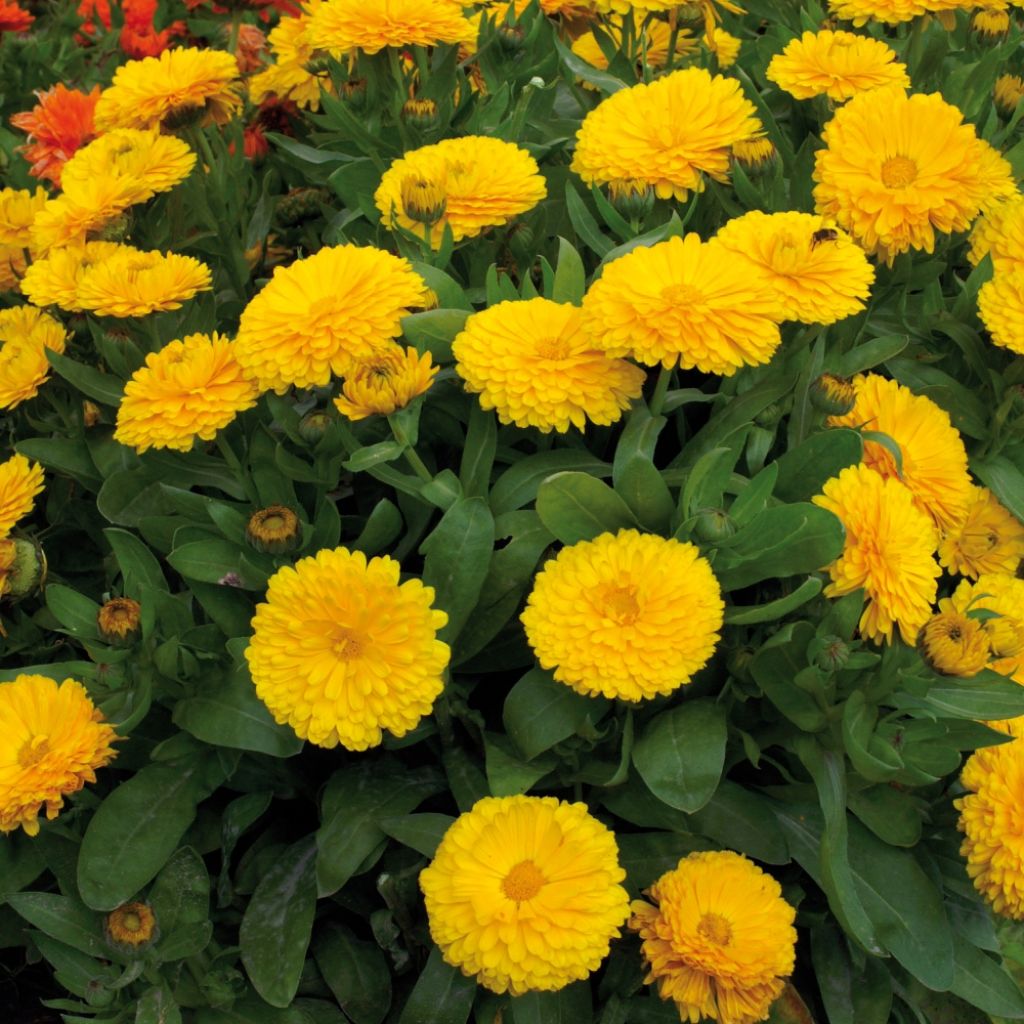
[[484, 182], [118, 620], [133, 283], [658, 38], [1001, 600], [888, 552], [818, 275], [835, 64], [341, 650], [288, 78], [369, 25], [53, 280], [953, 643], [719, 940], [18, 209], [833, 394], [895, 169], [1007, 93], [684, 302], [755, 154], [325, 313], [723, 45], [190, 388], [177, 84], [933, 460], [52, 740], [131, 924], [25, 335], [20, 482], [97, 208], [1000, 234], [667, 134], [625, 615], [385, 383], [990, 26], [1001, 308], [989, 540], [860, 12], [523, 893], [533, 362]]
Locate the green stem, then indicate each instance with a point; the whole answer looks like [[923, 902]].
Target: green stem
[[236, 25], [411, 456], [660, 390], [236, 468]]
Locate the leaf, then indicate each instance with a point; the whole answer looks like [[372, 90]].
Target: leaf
[[508, 774], [181, 893], [420, 832], [103, 387], [157, 1006], [682, 752], [278, 921], [646, 856], [804, 470], [519, 484], [742, 820], [988, 696], [128, 496], [775, 667], [570, 278], [983, 983], [65, 455], [570, 1005], [575, 507], [775, 610], [63, 919], [208, 561], [74, 611], [850, 996], [583, 222], [872, 353], [1005, 481], [434, 331], [356, 973], [137, 563], [441, 995]]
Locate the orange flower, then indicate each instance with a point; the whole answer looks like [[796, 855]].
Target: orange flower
[[57, 126], [13, 18], [250, 47], [139, 37], [91, 12]]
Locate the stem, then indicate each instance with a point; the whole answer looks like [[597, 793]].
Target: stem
[[236, 25], [660, 390], [236, 468], [417, 464]]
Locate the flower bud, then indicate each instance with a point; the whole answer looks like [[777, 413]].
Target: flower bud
[[756, 155], [1008, 92], [833, 394], [118, 621], [420, 114], [833, 653], [690, 16], [424, 201], [511, 38], [314, 425], [185, 116], [115, 230], [713, 524], [739, 661], [22, 568], [90, 413], [990, 27], [132, 925], [273, 530], [319, 64], [353, 92], [769, 416], [632, 198], [300, 204]]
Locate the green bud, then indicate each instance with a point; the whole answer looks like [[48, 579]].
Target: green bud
[[27, 568], [314, 425], [713, 524], [833, 395], [832, 653]]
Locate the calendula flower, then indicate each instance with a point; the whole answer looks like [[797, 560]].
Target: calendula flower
[[683, 302], [386, 383], [860, 12], [288, 77], [723, 45], [25, 335], [953, 643], [1000, 234], [133, 283], [325, 313], [179, 84], [888, 552], [96, 209], [833, 394], [895, 169], [999, 598], [933, 460], [274, 529], [990, 26], [668, 133], [20, 482], [118, 620], [52, 740], [341, 650], [719, 939], [523, 893], [53, 280], [131, 924], [625, 615], [755, 155], [1007, 93], [657, 39], [1001, 308], [14, 18], [190, 388], [535, 364], [835, 64], [484, 182], [369, 25], [57, 126], [989, 540], [18, 209], [818, 275]]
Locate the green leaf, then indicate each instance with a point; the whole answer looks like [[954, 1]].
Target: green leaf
[[742, 820], [434, 330], [575, 507], [851, 996], [570, 278], [519, 484], [570, 1005], [682, 752], [507, 773], [420, 832], [872, 353], [983, 983], [646, 856], [209, 561], [65, 455], [1005, 481], [356, 973], [181, 893], [278, 921], [74, 611], [988, 696], [583, 222], [64, 919], [157, 1006], [775, 610], [441, 995], [137, 563], [103, 387], [250, 1009], [894, 816], [775, 667], [128, 496], [804, 470]]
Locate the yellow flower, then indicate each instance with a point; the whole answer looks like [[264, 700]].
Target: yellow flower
[[325, 313], [485, 182], [131, 924], [860, 12], [933, 460], [133, 283], [8, 558], [895, 169], [755, 155], [667, 134], [534, 363], [190, 388], [25, 335], [52, 740], [385, 383], [724, 46], [625, 615], [1000, 234], [658, 37], [990, 26], [288, 78], [20, 482], [683, 302], [989, 540], [118, 620], [818, 275], [833, 394], [523, 893], [1001, 308], [176, 85], [1007, 93], [1004, 596], [719, 940], [888, 552], [369, 25], [18, 209], [835, 64], [341, 651], [97, 207], [954, 643], [53, 280]]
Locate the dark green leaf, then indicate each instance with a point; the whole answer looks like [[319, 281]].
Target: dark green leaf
[[356, 972], [575, 507], [804, 470], [442, 995]]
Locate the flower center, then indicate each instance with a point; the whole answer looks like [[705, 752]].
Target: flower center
[[348, 645], [273, 522], [682, 295], [552, 348], [898, 172], [33, 751], [715, 928], [523, 882], [131, 921], [621, 604]]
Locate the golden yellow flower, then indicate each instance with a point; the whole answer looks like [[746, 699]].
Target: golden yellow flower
[[133, 283], [818, 275], [369, 25], [131, 924], [8, 557], [341, 651], [860, 12], [954, 643], [724, 46], [523, 893], [895, 169], [719, 940], [288, 78], [989, 540], [386, 383], [52, 740], [1007, 93], [485, 182], [683, 302], [835, 64], [535, 364], [20, 482], [274, 529], [325, 313], [18, 209], [1001, 308], [625, 615], [118, 620], [53, 280], [990, 26], [179, 83], [97, 208], [1001, 599], [933, 460], [658, 38], [888, 552], [1000, 234], [190, 388], [755, 155], [667, 134], [25, 335]]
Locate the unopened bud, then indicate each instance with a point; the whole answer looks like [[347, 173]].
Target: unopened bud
[[273, 530], [633, 198], [22, 568], [313, 426], [420, 114], [833, 394], [119, 621], [833, 653], [713, 524], [423, 200], [1008, 92], [756, 155], [90, 413], [990, 26]]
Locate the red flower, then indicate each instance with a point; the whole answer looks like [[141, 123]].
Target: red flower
[[13, 18], [273, 115], [60, 124]]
